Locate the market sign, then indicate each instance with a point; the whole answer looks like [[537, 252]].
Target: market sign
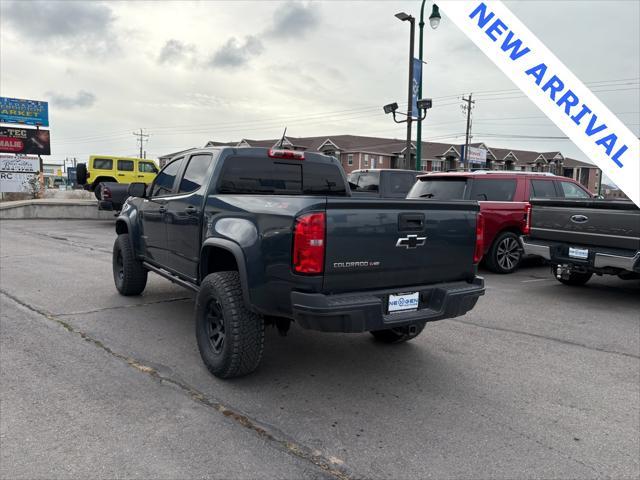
[[477, 155], [29, 112], [25, 141], [19, 163]]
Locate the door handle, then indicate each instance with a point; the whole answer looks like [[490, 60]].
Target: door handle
[[121, 174], [162, 209], [190, 210]]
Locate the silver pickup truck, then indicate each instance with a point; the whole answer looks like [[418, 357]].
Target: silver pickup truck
[[583, 237]]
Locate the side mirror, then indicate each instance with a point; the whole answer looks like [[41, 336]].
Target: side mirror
[[137, 189]]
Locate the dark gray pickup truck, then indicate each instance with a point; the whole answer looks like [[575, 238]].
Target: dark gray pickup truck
[[273, 236], [583, 237]]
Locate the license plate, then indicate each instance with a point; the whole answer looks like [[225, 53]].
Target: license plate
[[581, 253], [402, 302]]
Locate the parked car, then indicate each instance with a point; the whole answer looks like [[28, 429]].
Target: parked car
[[504, 202], [104, 168], [274, 236], [383, 183], [112, 196], [583, 237]]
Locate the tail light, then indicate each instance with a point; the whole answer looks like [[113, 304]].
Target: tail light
[[479, 250], [286, 154], [309, 244], [105, 193], [526, 228]]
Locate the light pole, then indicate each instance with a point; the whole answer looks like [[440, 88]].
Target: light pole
[[412, 21], [434, 21]]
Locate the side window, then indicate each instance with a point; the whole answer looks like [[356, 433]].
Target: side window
[[400, 183], [543, 189], [163, 184], [125, 165], [571, 190], [493, 190], [103, 164], [147, 167], [195, 173]]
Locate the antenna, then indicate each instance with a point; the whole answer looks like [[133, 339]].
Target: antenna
[[282, 139]]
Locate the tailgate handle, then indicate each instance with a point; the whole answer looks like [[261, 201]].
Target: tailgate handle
[[410, 222]]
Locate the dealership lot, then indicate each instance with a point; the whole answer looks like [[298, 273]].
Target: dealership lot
[[540, 380]]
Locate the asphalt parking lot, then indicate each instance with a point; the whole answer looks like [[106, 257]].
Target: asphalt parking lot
[[540, 380]]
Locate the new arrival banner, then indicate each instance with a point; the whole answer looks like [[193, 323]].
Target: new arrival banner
[[552, 87]]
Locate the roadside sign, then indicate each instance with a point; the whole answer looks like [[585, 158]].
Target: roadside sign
[[25, 140], [16, 171], [477, 155], [29, 112], [15, 181], [19, 163], [71, 175]]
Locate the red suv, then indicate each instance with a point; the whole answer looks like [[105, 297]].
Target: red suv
[[504, 204]]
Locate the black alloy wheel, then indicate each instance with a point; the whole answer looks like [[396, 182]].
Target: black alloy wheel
[[215, 326]]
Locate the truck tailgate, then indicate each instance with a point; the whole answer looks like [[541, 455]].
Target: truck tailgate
[[395, 243], [615, 224]]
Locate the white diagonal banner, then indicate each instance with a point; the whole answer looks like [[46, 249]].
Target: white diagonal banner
[[592, 127]]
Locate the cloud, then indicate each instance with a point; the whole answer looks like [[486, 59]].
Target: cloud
[[79, 27], [235, 54], [82, 99], [175, 51], [294, 19]]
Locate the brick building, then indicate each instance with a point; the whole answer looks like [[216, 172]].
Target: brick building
[[359, 152]]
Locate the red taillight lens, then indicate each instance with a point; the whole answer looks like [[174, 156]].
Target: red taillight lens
[[286, 154], [105, 193], [309, 243], [526, 228], [479, 250]]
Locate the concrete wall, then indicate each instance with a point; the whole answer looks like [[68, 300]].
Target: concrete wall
[[53, 209]]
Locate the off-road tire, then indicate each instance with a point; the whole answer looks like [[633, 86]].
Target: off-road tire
[[576, 279], [129, 274], [221, 313], [81, 173], [505, 254], [398, 334]]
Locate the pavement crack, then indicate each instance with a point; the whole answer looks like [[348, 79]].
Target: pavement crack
[[66, 241], [330, 465], [120, 307], [544, 337]]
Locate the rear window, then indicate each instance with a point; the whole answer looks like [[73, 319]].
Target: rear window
[[103, 164], [366, 182], [439, 188], [260, 175], [493, 190], [543, 189]]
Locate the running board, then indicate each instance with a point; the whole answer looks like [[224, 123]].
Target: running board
[[171, 277]]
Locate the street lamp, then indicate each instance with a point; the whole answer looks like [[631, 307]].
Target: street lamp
[[412, 21], [423, 104], [434, 21]]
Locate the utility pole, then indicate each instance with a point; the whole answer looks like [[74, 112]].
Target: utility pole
[[141, 139], [467, 108]]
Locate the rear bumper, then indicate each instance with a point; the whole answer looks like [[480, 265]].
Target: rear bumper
[[367, 311], [555, 253]]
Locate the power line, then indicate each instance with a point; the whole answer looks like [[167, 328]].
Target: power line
[[141, 138]]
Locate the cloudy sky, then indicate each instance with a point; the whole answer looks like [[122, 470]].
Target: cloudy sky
[[221, 70]]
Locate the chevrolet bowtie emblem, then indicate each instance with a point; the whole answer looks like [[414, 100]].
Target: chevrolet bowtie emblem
[[411, 241]]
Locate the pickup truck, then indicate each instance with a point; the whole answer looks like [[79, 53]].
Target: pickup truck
[[583, 237], [382, 182], [112, 195], [266, 237]]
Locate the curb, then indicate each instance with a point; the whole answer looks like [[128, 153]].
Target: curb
[[53, 209]]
